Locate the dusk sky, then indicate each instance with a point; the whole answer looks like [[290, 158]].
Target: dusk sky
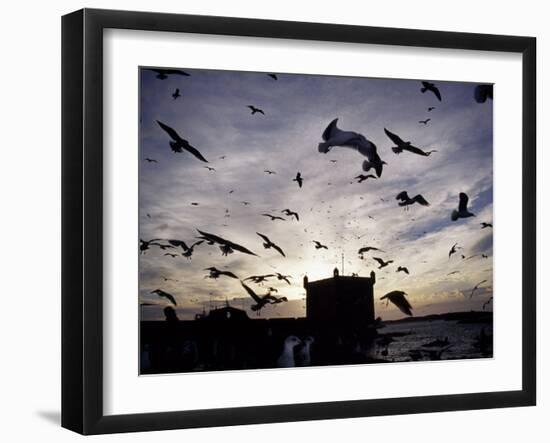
[[334, 209]]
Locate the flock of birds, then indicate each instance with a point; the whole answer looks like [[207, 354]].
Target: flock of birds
[[332, 137]]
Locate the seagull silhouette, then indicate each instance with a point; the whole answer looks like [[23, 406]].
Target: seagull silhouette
[[269, 172], [262, 300], [335, 137], [150, 160], [367, 249], [405, 146], [405, 200], [226, 246], [162, 74], [166, 295], [273, 217], [427, 86], [399, 300], [269, 244], [454, 249], [298, 179], [486, 225], [290, 213], [431, 108], [273, 76], [462, 211], [382, 263], [476, 287], [254, 110], [319, 245], [179, 144], [216, 273], [424, 122], [402, 269], [361, 178], [176, 94], [283, 277]]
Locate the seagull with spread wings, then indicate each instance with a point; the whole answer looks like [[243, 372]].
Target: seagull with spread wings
[[476, 287], [462, 211], [226, 246], [290, 213], [216, 273], [405, 200], [269, 244], [361, 178], [254, 110], [335, 137], [273, 217], [319, 245], [427, 86], [381, 262], [399, 300], [166, 295], [179, 144], [262, 300], [402, 269], [402, 145]]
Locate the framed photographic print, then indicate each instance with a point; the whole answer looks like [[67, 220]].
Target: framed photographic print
[[261, 218]]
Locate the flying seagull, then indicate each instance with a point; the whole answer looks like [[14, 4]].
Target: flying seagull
[[179, 244], [210, 168], [399, 300], [253, 110], [486, 225], [405, 146], [262, 300], [424, 122], [162, 74], [476, 287], [319, 245], [176, 94], [283, 277], [367, 249], [144, 244], [189, 252], [462, 208], [405, 200], [361, 178], [427, 86], [273, 76], [274, 217], [290, 213], [259, 278], [382, 263], [298, 179], [402, 269], [453, 249], [178, 144], [161, 293], [226, 246], [215, 273], [333, 136], [483, 92], [150, 160], [431, 108], [269, 244], [269, 172]]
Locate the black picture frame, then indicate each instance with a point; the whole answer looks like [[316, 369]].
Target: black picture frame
[[82, 218]]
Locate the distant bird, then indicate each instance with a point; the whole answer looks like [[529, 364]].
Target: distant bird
[[476, 287], [179, 144], [245, 203], [402, 269], [319, 245], [273, 76], [486, 225], [258, 279], [161, 293], [194, 204], [431, 108], [176, 94], [269, 244], [453, 249], [162, 74], [405, 200], [335, 137], [226, 246], [150, 160], [424, 122], [487, 302], [262, 300], [303, 356], [283, 277], [270, 289], [189, 252], [405, 146], [381, 262], [286, 359], [483, 92], [171, 255], [484, 256], [254, 110], [427, 86], [144, 245], [290, 213], [273, 217], [399, 300], [298, 179], [269, 172], [453, 273], [361, 178], [462, 208], [210, 168], [364, 249], [216, 273]]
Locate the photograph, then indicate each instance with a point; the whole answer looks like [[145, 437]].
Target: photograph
[[297, 220]]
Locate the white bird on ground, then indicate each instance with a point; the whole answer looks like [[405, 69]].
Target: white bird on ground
[[303, 356], [286, 359], [333, 136]]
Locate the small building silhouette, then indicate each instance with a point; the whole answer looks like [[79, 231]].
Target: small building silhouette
[[341, 301]]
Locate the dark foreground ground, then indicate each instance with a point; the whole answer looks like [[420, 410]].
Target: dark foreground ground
[[235, 344]]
